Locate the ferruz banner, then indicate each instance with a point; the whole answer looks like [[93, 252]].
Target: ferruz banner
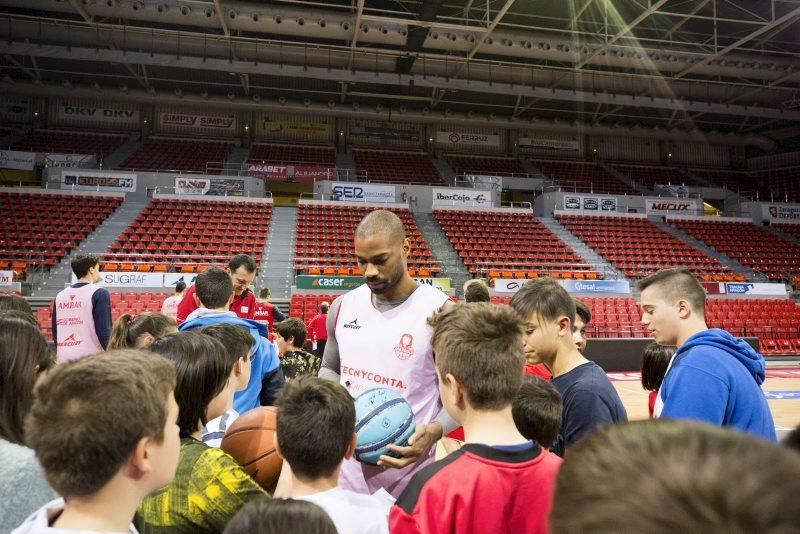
[[70, 161], [590, 203], [572, 145], [684, 206], [781, 212], [363, 192], [116, 115], [616, 287], [461, 197], [14, 159], [98, 181], [222, 123], [454, 138]]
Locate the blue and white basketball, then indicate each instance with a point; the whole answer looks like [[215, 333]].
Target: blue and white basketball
[[383, 417]]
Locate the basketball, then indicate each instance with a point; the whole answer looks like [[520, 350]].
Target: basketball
[[383, 417], [251, 442]]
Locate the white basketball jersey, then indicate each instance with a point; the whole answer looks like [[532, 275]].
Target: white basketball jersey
[[390, 349]]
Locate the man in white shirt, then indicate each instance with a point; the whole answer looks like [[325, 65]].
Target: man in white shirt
[[311, 406]]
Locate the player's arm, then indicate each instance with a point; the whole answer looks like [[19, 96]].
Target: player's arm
[[101, 313], [331, 363]]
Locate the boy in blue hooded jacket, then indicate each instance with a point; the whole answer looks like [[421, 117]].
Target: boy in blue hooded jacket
[[713, 376], [214, 291]]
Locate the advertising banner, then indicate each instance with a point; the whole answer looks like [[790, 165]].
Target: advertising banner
[[617, 287], [686, 206], [170, 279], [455, 138], [15, 109], [114, 115], [226, 187], [70, 161], [116, 279], [442, 284], [268, 172], [14, 159], [329, 283], [553, 144], [761, 289], [363, 192], [222, 123], [309, 173], [6, 278], [312, 129], [461, 197], [677, 191], [99, 181], [192, 186], [781, 212], [589, 203], [378, 132]]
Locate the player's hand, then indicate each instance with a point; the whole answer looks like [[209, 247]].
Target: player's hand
[[419, 443]]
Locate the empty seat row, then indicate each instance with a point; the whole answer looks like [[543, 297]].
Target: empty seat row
[[582, 177], [396, 167], [191, 155]]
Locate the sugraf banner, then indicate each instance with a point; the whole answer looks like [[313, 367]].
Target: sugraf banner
[[116, 279], [99, 181], [222, 123], [456, 138], [781, 212], [363, 192], [572, 145], [70, 161], [589, 203], [14, 159], [616, 287], [6, 278], [116, 115], [461, 197], [171, 279], [684, 206]]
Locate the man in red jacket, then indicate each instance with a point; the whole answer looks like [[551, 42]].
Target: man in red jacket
[[317, 332], [242, 270]]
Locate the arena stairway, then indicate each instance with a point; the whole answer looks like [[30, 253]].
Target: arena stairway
[[444, 169], [443, 251], [120, 154], [580, 248], [735, 267], [96, 243], [533, 170], [276, 270]]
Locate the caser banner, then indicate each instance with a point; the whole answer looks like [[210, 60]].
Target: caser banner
[[455, 138], [99, 181], [589, 203], [14, 159], [461, 197], [99, 114], [224, 123], [781, 212], [363, 192], [664, 206]]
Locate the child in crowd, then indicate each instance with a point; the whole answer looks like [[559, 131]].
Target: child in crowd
[[138, 331], [209, 487], [103, 428], [290, 336], [170, 305], [537, 410], [499, 481], [310, 406], [287, 516], [24, 360], [655, 361]]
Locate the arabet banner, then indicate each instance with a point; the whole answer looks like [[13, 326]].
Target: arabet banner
[[222, 123]]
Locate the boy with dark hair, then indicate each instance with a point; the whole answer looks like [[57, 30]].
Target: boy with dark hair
[[582, 318], [170, 305], [311, 406], [101, 456], [82, 313], [290, 336], [239, 349], [588, 396], [242, 271], [713, 376], [266, 313], [214, 292], [498, 481], [476, 291], [663, 476], [537, 410]]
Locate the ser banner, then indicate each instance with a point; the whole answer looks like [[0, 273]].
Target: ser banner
[[98, 181], [363, 192]]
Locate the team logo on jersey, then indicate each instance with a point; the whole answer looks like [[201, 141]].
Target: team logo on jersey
[[71, 341], [405, 347], [353, 324], [245, 309]]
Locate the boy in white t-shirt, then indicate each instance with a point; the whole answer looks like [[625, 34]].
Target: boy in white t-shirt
[[316, 432], [170, 305]]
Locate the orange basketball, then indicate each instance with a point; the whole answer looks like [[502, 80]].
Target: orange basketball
[[251, 442]]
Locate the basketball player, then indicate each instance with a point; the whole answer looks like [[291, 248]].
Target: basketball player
[[378, 336]]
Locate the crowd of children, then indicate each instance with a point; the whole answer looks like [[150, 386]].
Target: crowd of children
[[127, 439]]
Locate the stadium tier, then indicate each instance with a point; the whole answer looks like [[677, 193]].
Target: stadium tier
[[788, 228], [737, 181], [484, 165], [325, 240], [187, 235], [652, 176], [753, 246], [38, 229], [191, 155], [583, 177], [784, 183], [639, 248], [504, 244], [70, 142], [396, 167], [324, 156]]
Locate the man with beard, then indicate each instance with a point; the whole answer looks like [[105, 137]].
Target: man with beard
[[378, 336]]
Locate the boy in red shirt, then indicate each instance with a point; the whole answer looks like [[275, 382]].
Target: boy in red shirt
[[242, 270], [498, 481]]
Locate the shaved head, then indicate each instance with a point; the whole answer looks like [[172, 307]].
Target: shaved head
[[383, 223]]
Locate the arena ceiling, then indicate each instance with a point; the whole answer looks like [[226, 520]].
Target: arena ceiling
[[727, 66]]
